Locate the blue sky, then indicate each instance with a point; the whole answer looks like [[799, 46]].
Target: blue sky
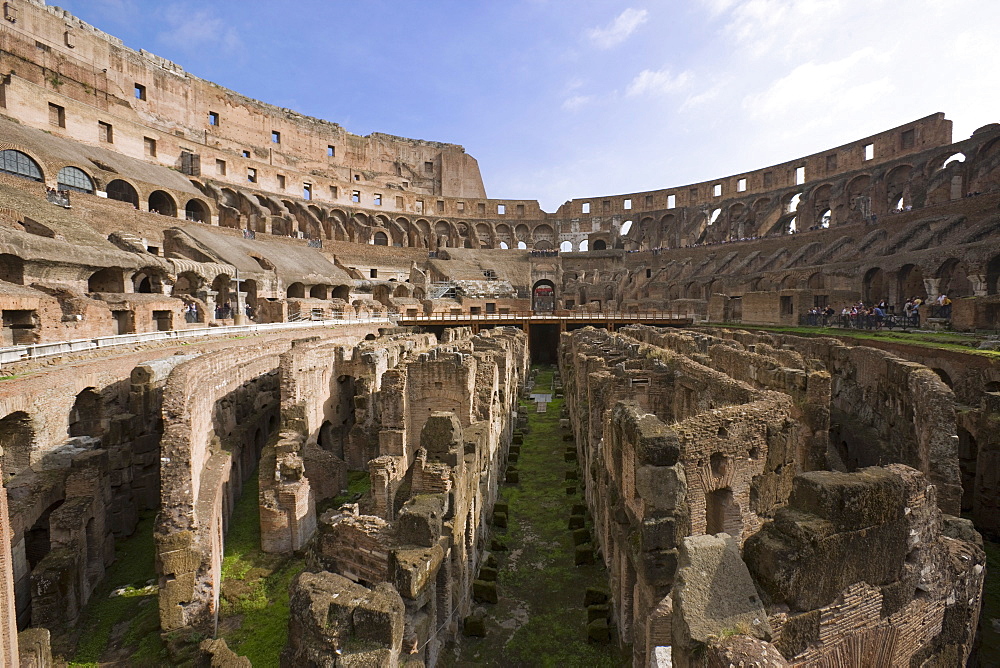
[[560, 99]]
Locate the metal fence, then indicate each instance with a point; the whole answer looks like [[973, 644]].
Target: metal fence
[[41, 350]]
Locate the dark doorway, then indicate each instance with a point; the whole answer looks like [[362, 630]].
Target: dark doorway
[[543, 340]]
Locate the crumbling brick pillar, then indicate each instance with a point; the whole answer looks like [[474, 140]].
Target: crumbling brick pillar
[[8, 614], [287, 508]]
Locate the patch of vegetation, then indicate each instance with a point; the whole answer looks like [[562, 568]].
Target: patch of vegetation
[[121, 620], [358, 484], [254, 611], [540, 619]]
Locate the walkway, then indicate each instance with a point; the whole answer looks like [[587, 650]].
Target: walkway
[[540, 619]]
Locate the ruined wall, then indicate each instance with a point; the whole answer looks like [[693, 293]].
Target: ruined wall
[[8, 611], [670, 447], [422, 526], [883, 410]]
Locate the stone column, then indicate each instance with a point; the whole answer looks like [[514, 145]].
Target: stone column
[[979, 285], [931, 286], [8, 614]]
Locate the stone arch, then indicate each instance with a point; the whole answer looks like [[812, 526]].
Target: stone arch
[[17, 436], [897, 186], [163, 203], [600, 244], [993, 276], [954, 279], [196, 211], [11, 269], [816, 281], [148, 280], [123, 191], [319, 291], [20, 164], [109, 279], [380, 239], [341, 292], [296, 291], [873, 287], [86, 418], [188, 283], [566, 247], [543, 295], [910, 282]]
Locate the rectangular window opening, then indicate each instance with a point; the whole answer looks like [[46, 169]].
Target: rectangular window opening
[[768, 179], [150, 145], [800, 175], [741, 185], [420, 206], [399, 201], [627, 204], [907, 138], [373, 273], [251, 175], [333, 192], [105, 132], [440, 206], [460, 206], [671, 201], [606, 206], [585, 207], [501, 209], [57, 115], [649, 201], [717, 190], [220, 167], [307, 191], [429, 167], [356, 196], [831, 163], [331, 151], [520, 209], [275, 137], [869, 151], [481, 208], [245, 154], [140, 92], [281, 181], [786, 306], [693, 195], [378, 199], [213, 118]]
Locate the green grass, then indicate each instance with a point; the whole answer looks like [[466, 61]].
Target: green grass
[[128, 623], [358, 484], [254, 610], [538, 574], [954, 341]]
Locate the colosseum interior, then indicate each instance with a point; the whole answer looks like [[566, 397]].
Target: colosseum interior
[[278, 394]]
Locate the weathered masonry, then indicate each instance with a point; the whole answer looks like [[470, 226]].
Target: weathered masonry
[[683, 436]]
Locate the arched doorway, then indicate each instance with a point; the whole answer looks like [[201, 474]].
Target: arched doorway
[[16, 437], [600, 244], [11, 269], [86, 417], [911, 283], [874, 286], [162, 203], [196, 211], [543, 296]]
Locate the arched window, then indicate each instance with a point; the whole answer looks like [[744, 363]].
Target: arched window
[[74, 178], [19, 164], [381, 239], [584, 246], [123, 192], [566, 247], [600, 245], [626, 227]]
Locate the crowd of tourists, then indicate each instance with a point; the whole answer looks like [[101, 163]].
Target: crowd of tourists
[[880, 315]]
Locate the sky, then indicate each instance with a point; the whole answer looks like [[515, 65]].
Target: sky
[[562, 99]]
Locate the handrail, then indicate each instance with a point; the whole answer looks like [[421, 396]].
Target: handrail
[[546, 315], [41, 350]]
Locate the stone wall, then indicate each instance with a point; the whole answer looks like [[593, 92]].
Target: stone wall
[[422, 527]]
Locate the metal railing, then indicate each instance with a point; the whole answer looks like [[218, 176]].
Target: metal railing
[[40, 350], [550, 315]]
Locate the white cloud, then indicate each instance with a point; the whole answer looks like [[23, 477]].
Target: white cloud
[[618, 30], [575, 102], [199, 27], [656, 82]]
